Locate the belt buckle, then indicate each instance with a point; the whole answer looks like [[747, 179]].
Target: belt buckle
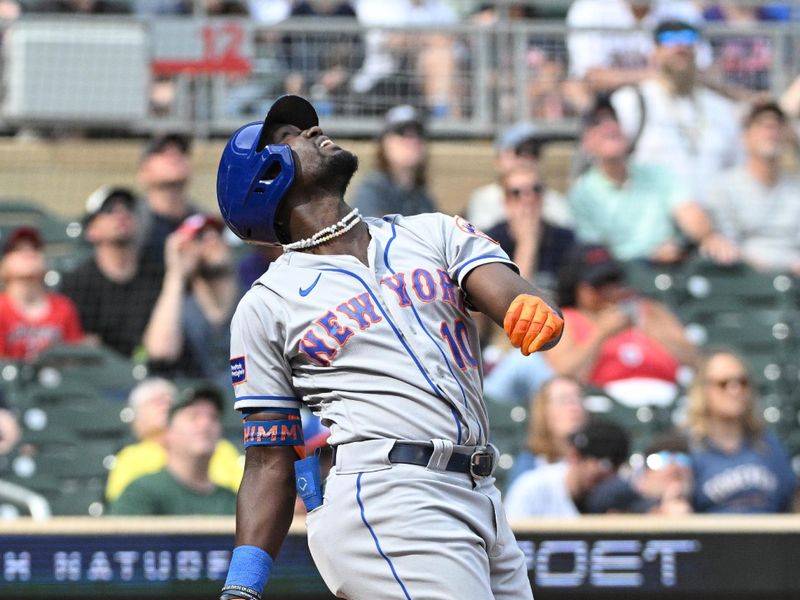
[[481, 462]]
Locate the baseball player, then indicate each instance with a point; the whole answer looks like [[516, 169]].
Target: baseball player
[[367, 322]]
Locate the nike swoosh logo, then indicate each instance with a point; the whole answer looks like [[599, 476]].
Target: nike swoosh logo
[[307, 291]]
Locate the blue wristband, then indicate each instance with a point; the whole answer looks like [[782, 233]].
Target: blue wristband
[[250, 568]]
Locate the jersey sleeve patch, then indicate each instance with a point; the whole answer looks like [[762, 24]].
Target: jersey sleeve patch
[[238, 370], [469, 228]]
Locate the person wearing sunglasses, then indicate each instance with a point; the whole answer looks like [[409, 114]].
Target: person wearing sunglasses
[[739, 466], [660, 482], [678, 120], [537, 246]]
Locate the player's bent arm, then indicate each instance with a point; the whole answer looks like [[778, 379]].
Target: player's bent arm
[[527, 316], [264, 511]]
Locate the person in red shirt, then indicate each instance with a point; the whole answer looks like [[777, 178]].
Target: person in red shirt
[[613, 337], [32, 318]]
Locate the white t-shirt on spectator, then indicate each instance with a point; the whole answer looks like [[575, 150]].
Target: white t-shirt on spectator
[[380, 61], [604, 49], [269, 12], [541, 492], [696, 136]]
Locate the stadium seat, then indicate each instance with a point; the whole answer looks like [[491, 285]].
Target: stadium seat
[[508, 425], [89, 369], [711, 288], [10, 383], [662, 283]]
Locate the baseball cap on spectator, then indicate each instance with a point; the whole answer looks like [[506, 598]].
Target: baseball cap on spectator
[[676, 33], [23, 234], [200, 392], [603, 439], [600, 109], [523, 138], [159, 143], [759, 108], [197, 222], [102, 198], [594, 265], [400, 119]]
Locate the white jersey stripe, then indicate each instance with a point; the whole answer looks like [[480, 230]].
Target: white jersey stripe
[[484, 257]]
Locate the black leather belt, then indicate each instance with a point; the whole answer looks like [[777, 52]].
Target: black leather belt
[[479, 463]]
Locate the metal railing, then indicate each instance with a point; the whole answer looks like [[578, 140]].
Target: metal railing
[[207, 76]]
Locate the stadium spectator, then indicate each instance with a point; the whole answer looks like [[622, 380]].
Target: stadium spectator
[[637, 210], [519, 145], [390, 56], [536, 247], [188, 334], [150, 402], [560, 489], [757, 205], [31, 317], [164, 174], [630, 346], [544, 61], [555, 412], [744, 59], [269, 12], [183, 486], [601, 60], [399, 183], [320, 64], [661, 485], [739, 466], [674, 120], [115, 289]]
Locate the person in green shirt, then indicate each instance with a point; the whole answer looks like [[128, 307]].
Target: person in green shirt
[[639, 211], [183, 486]]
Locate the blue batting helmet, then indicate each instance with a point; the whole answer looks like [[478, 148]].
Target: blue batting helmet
[[254, 177]]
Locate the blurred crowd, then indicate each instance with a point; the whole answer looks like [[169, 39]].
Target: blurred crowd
[[363, 64], [673, 164]]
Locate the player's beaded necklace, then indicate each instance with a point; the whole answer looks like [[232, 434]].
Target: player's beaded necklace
[[349, 221]]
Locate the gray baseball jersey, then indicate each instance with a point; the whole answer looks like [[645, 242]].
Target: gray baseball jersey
[[386, 352]]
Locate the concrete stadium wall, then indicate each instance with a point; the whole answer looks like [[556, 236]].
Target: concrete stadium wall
[[61, 174]]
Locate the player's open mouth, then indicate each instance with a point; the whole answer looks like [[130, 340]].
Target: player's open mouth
[[325, 142]]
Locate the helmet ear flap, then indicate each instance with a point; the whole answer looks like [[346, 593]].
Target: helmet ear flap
[[252, 183]]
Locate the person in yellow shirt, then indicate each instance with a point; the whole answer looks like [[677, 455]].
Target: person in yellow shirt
[[150, 402]]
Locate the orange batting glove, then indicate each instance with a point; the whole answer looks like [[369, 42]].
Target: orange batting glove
[[531, 324]]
